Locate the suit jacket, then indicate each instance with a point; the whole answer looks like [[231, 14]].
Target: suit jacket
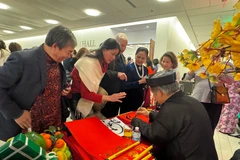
[[110, 82], [22, 79], [183, 126]]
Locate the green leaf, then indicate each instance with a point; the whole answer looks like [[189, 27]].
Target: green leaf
[[53, 138], [52, 128], [238, 22], [228, 32], [191, 52], [59, 136], [185, 64], [48, 130], [194, 57], [216, 44]]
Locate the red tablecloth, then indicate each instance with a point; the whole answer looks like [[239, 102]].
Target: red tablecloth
[[95, 138], [91, 140]]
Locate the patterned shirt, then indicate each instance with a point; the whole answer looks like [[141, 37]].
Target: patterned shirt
[[46, 111]]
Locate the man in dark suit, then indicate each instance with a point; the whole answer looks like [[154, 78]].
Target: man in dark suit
[[32, 85], [181, 129], [112, 80]]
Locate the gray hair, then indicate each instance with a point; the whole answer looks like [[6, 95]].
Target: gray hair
[[121, 36], [167, 89], [62, 36]]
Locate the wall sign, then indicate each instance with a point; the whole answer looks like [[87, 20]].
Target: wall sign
[[88, 43]]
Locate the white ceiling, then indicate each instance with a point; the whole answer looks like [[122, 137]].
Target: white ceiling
[[196, 16], [136, 28]]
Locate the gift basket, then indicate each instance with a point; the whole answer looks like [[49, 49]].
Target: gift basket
[[33, 146]]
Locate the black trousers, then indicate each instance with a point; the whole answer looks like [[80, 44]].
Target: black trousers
[[110, 109], [75, 99], [214, 112], [236, 155]]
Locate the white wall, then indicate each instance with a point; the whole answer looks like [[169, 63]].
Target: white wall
[[178, 41], [162, 36], [171, 37], [93, 37], [138, 39], [28, 42]]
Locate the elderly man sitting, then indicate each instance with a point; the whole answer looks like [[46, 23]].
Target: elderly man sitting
[[182, 124]]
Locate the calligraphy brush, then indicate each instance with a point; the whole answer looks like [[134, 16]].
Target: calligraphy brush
[[139, 107]]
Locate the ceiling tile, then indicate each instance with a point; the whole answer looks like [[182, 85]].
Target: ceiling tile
[[203, 30], [208, 19], [194, 4], [119, 4], [140, 3], [101, 5], [202, 39], [219, 2], [133, 28], [212, 9], [114, 17]]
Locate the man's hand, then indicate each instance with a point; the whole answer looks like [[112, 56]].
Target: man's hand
[[122, 76], [24, 121], [142, 110], [66, 91]]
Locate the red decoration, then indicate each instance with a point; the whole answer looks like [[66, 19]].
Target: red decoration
[[224, 3], [95, 139], [127, 117]]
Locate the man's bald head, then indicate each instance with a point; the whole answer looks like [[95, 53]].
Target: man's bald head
[[122, 40]]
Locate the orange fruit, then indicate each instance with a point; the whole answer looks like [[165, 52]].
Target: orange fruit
[[42, 134], [46, 136], [57, 133], [48, 143], [59, 143]]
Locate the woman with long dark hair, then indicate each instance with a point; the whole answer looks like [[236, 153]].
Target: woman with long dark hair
[[87, 74]]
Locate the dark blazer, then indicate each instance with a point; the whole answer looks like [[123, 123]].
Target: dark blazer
[[182, 127], [22, 78], [110, 82]]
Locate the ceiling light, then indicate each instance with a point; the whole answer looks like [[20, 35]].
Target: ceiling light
[[25, 27], [92, 12], [51, 21], [147, 26], [125, 29], [7, 31], [163, 0], [3, 6]]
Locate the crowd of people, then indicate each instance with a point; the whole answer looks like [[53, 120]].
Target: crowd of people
[[43, 86]]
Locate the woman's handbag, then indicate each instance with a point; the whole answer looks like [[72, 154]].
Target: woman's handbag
[[219, 94], [99, 106]]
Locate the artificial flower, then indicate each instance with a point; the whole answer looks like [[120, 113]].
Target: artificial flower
[[194, 66], [222, 47], [217, 28], [237, 5], [237, 77], [235, 19], [203, 75], [228, 26]]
